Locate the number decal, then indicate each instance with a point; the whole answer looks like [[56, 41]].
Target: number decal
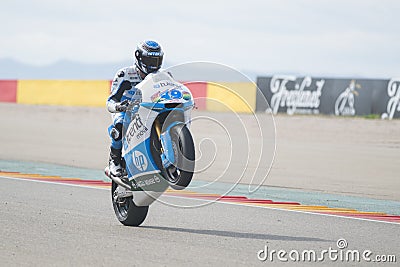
[[175, 94], [170, 95]]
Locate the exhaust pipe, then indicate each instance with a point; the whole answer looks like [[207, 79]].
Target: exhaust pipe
[[117, 180]]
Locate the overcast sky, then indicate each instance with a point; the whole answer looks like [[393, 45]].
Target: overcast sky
[[340, 38]]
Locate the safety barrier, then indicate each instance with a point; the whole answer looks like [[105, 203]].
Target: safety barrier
[[210, 96], [340, 97], [8, 91], [64, 93], [287, 94]]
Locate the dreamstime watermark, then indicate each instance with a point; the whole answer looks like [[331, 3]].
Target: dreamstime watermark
[[339, 254]]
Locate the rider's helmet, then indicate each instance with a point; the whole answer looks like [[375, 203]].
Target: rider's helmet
[[149, 56]]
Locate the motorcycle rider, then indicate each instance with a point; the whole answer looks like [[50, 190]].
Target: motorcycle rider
[[148, 59]]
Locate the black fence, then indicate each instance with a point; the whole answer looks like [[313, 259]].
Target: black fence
[[341, 97]]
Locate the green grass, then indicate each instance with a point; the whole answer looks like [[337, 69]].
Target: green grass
[[372, 116]]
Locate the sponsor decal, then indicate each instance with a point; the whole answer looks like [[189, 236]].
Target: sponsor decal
[[154, 54], [136, 129], [186, 95], [165, 83], [121, 74], [115, 82], [140, 160], [132, 72], [302, 99], [156, 97], [393, 104], [137, 95], [344, 104], [141, 183]]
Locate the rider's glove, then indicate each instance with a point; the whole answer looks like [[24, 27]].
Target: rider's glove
[[135, 108], [122, 106]]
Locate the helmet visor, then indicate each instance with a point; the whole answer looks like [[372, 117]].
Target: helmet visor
[[152, 63]]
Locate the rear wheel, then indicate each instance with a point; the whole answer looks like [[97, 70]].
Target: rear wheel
[[126, 211]]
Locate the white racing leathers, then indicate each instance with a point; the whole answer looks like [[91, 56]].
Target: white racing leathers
[[122, 88]]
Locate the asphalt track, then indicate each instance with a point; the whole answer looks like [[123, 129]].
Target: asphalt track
[[60, 225]]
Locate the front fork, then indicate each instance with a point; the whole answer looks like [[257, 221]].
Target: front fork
[[167, 152], [158, 128]]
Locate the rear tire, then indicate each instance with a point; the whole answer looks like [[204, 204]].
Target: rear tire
[[126, 211]]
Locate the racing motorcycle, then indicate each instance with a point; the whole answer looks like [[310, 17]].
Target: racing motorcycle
[[158, 148]]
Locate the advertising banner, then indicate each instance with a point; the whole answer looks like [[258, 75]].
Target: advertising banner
[[340, 97]]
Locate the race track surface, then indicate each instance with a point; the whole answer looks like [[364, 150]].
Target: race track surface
[[331, 166], [61, 225]]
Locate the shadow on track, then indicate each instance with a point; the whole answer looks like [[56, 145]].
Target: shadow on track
[[236, 234]]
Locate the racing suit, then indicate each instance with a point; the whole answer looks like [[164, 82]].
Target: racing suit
[[122, 88]]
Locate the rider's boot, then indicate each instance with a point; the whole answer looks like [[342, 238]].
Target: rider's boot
[[115, 162]]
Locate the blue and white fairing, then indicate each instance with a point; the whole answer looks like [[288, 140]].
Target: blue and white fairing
[[158, 90]]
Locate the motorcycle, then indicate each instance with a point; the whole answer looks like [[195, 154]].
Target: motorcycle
[[158, 148]]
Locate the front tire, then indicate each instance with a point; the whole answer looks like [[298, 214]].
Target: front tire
[[180, 174], [126, 211]]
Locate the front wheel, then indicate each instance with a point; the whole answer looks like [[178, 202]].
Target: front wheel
[[126, 211], [180, 174]]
